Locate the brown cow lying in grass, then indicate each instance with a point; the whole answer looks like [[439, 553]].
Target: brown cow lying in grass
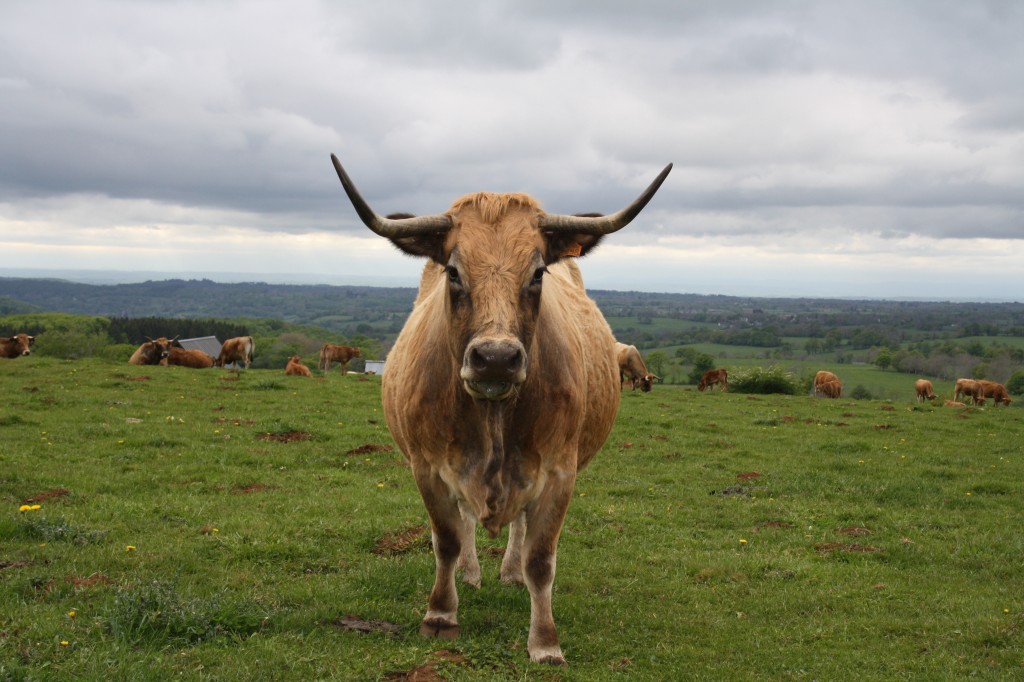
[[16, 346], [295, 368], [196, 359], [152, 352]]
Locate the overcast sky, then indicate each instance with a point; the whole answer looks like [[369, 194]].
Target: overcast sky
[[866, 149]]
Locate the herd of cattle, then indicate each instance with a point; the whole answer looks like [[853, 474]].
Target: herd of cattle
[[238, 351]]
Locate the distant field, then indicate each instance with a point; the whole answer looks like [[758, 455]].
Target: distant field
[[209, 524]]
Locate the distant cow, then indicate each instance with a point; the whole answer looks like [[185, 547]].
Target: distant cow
[[295, 368], [196, 359], [238, 350], [969, 388], [152, 352], [712, 377], [828, 385], [632, 368], [331, 353], [15, 346], [997, 392], [952, 403], [924, 390]]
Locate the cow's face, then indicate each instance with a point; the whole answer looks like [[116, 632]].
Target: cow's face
[[646, 382], [156, 350], [22, 343]]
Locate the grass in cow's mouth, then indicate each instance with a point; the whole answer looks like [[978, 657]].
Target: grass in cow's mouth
[[892, 551]]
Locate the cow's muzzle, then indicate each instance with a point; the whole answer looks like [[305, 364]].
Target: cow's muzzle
[[493, 368]]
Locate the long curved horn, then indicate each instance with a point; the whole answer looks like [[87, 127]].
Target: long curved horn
[[603, 224], [386, 227]]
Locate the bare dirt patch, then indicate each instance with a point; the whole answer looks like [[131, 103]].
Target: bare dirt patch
[[887, 408], [357, 624], [402, 541], [428, 672], [368, 448], [748, 476], [883, 427], [88, 582], [286, 437], [14, 564], [141, 377], [52, 494]]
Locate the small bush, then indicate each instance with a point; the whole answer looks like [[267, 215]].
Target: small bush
[[859, 392], [764, 380], [1016, 383]]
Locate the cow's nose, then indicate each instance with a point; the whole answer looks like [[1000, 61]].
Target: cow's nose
[[496, 360]]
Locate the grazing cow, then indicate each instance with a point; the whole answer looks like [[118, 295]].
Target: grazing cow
[[924, 390], [712, 377], [997, 392], [196, 359], [295, 368], [969, 388], [15, 346], [330, 352], [152, 352], [238, 350], [828, 385], [501, 386], [632, 368]]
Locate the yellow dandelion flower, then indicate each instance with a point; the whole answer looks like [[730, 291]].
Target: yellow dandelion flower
[[380, 485], [24, 508], [129, 548], [64, 642], [35, 507], [742, 541], [71, 614]]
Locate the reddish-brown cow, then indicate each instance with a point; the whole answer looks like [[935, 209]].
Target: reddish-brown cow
[[969, 388], [500, 387], [712, 377], [196, 359], [632, 368], [330, 352], [16, 346], [238, 350], [828, 385], [924, 390], [152, 352], [295, 368], [997, 392]]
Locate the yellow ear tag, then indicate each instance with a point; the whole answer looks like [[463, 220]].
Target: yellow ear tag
[[574, 251]]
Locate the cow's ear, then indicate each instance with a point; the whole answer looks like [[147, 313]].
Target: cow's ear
[[565, 245], [430, 245]]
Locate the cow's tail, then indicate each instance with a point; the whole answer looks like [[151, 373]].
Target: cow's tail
[[250, 350]]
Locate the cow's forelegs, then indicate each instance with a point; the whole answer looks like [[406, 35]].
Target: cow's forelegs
[[468, 561], [512, 562], [446, 523], [540, 547]]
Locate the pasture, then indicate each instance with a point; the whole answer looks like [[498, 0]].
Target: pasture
[[161, 522]]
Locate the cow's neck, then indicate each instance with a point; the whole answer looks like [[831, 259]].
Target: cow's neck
[[491, 472]]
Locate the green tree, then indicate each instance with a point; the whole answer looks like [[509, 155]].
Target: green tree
[[655, 362], [1016, 383]]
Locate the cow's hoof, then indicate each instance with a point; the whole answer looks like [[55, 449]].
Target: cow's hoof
[[512, 578], [558, 660], [439, 629]]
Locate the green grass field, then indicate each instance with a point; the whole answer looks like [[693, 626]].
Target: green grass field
[[206, 524]]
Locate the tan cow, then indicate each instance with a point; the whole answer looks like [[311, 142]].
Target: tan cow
[[195, 359], [330, 352], [828, 385], [953, 403], [497, 394], [152, 352], [632, 368], [238, 350], [969, 388], [15, 346], [295, 368], [712, 377], [924, 390], [997, 392]]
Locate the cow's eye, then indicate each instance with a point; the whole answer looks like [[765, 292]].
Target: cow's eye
[[453, 275], [538, 275]]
